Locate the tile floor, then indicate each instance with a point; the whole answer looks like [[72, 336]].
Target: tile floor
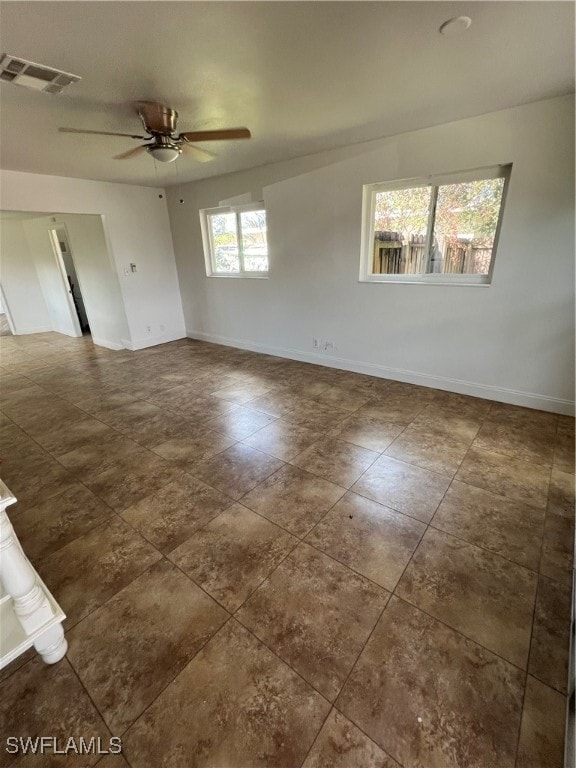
[[268, 563]]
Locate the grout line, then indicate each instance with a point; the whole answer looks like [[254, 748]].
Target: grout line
[[317, 735], [300, 540], [282, 661]]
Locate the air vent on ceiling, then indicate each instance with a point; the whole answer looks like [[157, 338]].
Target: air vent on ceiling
[[35, 76]]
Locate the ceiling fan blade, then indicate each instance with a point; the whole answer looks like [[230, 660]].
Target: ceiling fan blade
[[130, 153], [222, 135], [156, 117], [200, 155], [102, 133]]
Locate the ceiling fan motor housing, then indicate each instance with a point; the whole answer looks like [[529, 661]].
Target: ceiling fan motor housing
[[157, 118]]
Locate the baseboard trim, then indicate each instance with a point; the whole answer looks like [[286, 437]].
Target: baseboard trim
[[115, 345], [33, 329], [500, 394], [134, 346]]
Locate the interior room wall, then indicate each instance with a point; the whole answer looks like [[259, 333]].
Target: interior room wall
[[512, 341], [20, 282], [137, 230], [97, 276]]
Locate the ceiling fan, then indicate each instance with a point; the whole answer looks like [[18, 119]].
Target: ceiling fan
[[164, 143]]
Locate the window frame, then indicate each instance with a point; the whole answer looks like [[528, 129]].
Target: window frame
[[208, 241], [428, 278]]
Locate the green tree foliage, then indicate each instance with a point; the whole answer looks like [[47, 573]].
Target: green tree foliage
[[468, 210]]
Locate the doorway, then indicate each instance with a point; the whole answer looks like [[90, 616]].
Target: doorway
[[65, 259], [6, 324]]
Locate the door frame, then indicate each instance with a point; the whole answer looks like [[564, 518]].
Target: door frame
[[7, 311], [55, 243]]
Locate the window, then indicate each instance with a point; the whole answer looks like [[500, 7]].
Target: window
[[235, 243], [437, 230]]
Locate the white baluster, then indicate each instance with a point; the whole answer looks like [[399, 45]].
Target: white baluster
[[31, 604]]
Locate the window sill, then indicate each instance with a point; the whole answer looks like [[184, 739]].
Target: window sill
[[241, 277], [465, 281]]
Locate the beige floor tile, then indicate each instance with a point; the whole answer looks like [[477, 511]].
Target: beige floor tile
[[334, 460], [399, 409], [514, 478], [131, 479], [113, 761], [561, 494], [169, 516], [425, 711], [341, 745], [236, 470], [341, 397], [128, 650], [155, 430], [38, 477], [404, 487], [242, 392], [550, 645], [294, 499], [445, 422], [429, 450], [487, 598], [126, 440], [543, 721], [240, 422], [109, 398], [188, 451], [235, 704], [517, 416], [557, 556], [316, 615], [75, 435], [373, 540], [564, 452], [316, 416], [232, 555], [124, 416], [463, 405], [94, 567], [510, 528], [283, 439], [50, 525], [367, 432], [43, 700], [530, 444], [91, 459], [276, 403]]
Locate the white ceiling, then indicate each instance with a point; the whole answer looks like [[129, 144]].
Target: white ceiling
[[303, 76]]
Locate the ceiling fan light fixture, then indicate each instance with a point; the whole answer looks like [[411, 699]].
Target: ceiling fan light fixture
[[164, 154]]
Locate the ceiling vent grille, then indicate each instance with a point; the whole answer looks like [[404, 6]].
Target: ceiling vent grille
[[35, 76]]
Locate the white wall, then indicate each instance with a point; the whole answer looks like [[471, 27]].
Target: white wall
[[512, 341], [97, 276], [54, 290], [137, 229], [20, 282]]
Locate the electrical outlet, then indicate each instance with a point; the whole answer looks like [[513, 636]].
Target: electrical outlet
[[315, 344], [148, 329], [329, 346]]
